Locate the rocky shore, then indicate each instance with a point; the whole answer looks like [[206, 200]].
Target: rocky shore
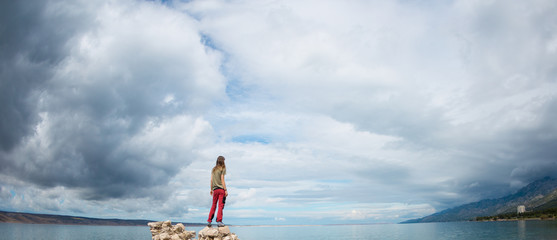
[[165, 231]]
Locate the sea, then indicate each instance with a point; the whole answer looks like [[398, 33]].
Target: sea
[[417, 231]]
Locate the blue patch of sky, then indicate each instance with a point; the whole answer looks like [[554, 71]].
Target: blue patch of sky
[[236, 90], [163, 2], [208, 42], [251, 139]]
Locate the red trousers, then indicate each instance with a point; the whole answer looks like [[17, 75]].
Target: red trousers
[[218, 194]]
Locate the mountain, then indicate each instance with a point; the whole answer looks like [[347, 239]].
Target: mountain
[[538, 195], [16, 217]]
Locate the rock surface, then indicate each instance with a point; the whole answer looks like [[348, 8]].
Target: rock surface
[[221, 233], [165, 231]]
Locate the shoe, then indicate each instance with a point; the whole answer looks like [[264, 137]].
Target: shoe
[[220, 224], [209, 224]]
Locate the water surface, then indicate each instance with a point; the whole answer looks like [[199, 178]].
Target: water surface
[[419, 231]]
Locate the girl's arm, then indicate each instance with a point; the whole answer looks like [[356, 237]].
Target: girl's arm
[[211, 184], [223, 184]]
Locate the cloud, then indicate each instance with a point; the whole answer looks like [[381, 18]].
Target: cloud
[[112, 109], [450, 84], [333, 112]]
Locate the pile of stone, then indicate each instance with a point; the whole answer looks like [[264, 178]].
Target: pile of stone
[[165, 231], [220, 233]]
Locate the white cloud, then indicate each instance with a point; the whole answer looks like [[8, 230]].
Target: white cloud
[[356, 111]]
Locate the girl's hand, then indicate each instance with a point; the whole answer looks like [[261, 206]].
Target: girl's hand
[[211, 193], [226, 193]]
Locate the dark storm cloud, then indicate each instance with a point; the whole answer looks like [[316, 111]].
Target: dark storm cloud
[[31, 43], [90, 102]]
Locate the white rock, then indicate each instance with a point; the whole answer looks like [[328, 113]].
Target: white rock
[[209, 232], [165, 231], [164, 236], [154, 224], [179, 228], [224, 230]]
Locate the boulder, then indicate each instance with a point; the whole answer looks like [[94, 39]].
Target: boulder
[[165, 231], [179, 228], [220, 233], [164, 236], [224, 230], [209, 232]]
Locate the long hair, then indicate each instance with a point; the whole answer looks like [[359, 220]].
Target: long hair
[[220, 164]]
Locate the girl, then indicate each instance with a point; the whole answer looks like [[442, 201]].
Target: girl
[[218, 190]]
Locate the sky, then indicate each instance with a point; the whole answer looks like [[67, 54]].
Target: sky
[[327, 112]]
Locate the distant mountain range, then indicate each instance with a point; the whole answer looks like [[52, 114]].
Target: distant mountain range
[[16, 217], [538, 195]]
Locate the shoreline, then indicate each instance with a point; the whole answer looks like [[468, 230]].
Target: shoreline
[[517, 219]]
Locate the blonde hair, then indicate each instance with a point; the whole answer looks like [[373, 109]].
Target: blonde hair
[[220, 164]]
